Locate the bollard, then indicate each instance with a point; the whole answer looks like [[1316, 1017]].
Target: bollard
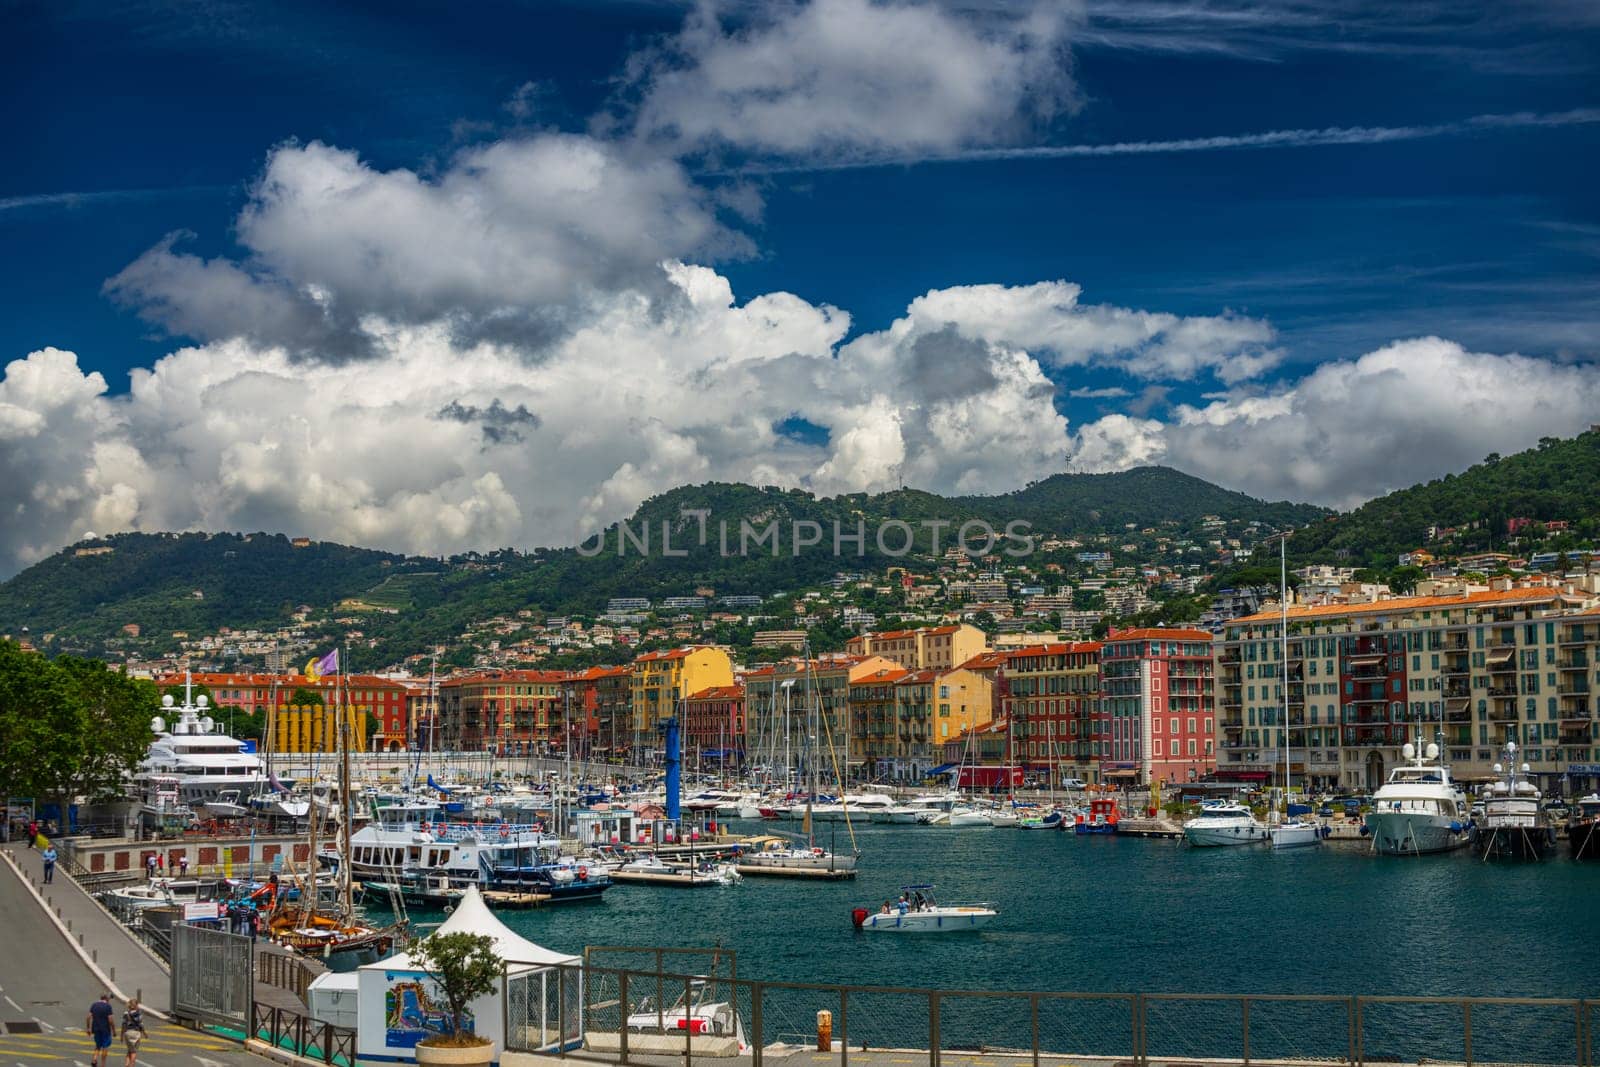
[[94, 954], [824, 1030], [113, 973]]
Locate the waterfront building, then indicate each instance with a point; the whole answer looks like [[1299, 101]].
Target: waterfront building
[[505, 712], [779, 699], [875, 722], [603, 703], [384, 699], [659, 680], [1156, 720], [1051, 693], [794, 639], [713, 723], [925, 648], [1515, 662]]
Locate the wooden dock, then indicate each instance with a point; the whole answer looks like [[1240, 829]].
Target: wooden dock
[[501, 898], [681, 881], [1149, 828], [816, 874]]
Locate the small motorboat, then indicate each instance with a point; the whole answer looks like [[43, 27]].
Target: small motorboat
[[226, 805], [917, 912], [1101, 818], [1050, 821]]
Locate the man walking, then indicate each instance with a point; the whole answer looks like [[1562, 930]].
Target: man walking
[[101, 1025], [49, 858], [33, 832]]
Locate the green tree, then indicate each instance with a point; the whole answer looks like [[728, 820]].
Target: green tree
[[305, 698], [465, 968], [1405, 579]]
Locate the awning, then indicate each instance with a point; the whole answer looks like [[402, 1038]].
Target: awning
[[1367, 658], [1241, 776], [943, 768], [723, 753], [1121, 774]]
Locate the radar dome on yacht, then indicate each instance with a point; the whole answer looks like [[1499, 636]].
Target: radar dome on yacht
[[166, 701], [1432, 750], [201, 701], [1511, 747], [1408, 751], [1525, 768], [206, 724], [1499, 769], [158, 725]]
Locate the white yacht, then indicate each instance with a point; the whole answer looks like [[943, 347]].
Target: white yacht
[[797, 857], [409, 838], [1514, 823], [1223, 822], [1418, 810], [204, 762]]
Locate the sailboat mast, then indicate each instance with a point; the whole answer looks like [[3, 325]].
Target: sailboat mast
[[1283, 636], [345, 806]]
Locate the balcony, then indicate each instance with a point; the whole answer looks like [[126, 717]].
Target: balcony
[[1502, 690], [1504, 713], [1575, 662], [1578, 688], [1579, 635], [1575, 737], [1457, 692], [1576, 709], [1233, 722]]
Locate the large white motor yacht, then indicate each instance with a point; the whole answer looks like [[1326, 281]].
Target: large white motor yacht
[[1222, 822], [1418, 810], [204, 762]]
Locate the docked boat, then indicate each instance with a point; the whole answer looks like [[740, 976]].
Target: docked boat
[[1514, 827], [204, 762], [1053, 820], [341, 944], [1583, 829], [779, 854], [1298, 832], [651, 870], [1099, 818], [227, 806], [1418, 810], [1222, 823], [698, 1012], [433, 891], [1296, 828], [917, 912]]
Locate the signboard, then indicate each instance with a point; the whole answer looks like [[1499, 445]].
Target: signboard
[[210, 909], [413, 1011], [1583, 768]]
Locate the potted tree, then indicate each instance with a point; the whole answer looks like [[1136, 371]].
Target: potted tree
[[464, 967]]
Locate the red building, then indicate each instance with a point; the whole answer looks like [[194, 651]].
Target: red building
[[383, 698], [1157, 710], [506, 712], [1051, 694], [713, 722], [602, 714]]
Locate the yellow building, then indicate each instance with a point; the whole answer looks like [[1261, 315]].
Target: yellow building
[[314, 728], [662, 679], [936, 648]]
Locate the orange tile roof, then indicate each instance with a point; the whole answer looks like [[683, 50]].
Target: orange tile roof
[[883, 674], [986, 660], [1060, 648], [1159, 634], [1522, 595], [918, 678], [719, 692], [213, 680], [589, 674]]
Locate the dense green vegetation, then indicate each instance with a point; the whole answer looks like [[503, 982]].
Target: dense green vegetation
[[1554, 482], [71, 727], [198, 582]]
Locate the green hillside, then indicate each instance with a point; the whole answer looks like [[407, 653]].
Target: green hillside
[[1555, 481], [198, 583]]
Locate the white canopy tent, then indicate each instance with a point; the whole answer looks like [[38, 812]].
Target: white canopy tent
[[399, 1005]]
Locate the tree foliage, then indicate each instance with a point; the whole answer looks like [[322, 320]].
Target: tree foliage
[[71, 727], [464, 966]]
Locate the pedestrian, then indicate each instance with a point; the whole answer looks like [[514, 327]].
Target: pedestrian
[[183, 865], [33, 832], [161, 864], [132, 1031], [150, 866], [100, 1025], [49, 858]]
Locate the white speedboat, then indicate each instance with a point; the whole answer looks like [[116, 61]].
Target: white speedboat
[[226, 806], [797, 857], [897, 815], [917, 913], [699, 1014], [204, 762], [1222, 823], [1295, 833], [1003, 817], [1418, 810]]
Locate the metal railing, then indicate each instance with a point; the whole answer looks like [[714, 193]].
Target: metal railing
[[285, 971], [294, 1032], [631, 1015]]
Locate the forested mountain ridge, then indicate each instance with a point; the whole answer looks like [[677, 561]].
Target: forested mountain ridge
[[1474, 511], [166, 583]]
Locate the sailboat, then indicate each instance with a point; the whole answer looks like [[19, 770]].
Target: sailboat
[[1293, 831], [322, 922], [810, 856]]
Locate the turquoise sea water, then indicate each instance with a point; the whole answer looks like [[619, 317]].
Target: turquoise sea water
[[1107, 914]]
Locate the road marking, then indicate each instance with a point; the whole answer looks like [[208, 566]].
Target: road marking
[[13, 1003]]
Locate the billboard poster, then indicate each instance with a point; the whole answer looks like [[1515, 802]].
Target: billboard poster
[[412, 1011]]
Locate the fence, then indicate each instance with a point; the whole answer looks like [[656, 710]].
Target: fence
[[280, 969], [295, 1032], [629, 1015], [212, 975]]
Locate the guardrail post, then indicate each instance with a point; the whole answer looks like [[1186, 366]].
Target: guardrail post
[[1466, 1029], [1361, 1033], [756, 1039], [1033, 1024], [844, 1029], [1350, 1030], [933, 1028], [622, 1015], [1244, 1004], [1136, 1027]]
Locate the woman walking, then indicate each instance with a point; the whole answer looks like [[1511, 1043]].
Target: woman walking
[[132, 1032]]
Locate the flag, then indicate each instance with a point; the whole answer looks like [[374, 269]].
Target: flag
[[328, 664]]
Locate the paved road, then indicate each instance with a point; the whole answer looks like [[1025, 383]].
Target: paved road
[[45, 992]]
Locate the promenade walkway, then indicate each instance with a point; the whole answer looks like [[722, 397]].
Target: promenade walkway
[[46, 986]]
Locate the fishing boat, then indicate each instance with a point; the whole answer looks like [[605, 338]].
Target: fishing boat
[[1583, 829], [431, 891], [917, 912], [1514, 827], [1418, 811], [1222, 823], [1099, 818]]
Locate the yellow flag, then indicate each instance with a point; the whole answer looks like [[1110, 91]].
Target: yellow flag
[[311, 670]]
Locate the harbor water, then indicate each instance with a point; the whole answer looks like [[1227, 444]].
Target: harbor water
[[1108, 914]]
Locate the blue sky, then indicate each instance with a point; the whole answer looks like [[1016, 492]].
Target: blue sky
[[1457, 201]]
